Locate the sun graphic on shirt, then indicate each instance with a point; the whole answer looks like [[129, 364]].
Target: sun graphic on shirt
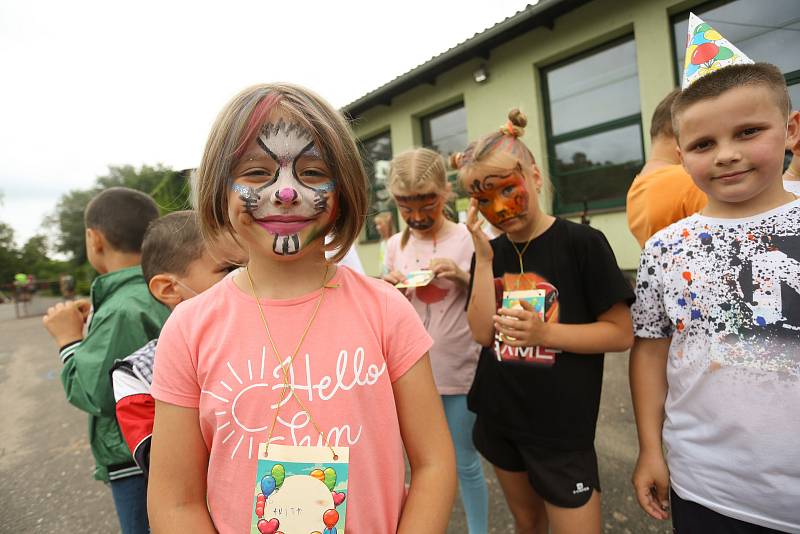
[[237, 390]]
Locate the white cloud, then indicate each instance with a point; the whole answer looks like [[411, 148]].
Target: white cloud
[[89, 84]]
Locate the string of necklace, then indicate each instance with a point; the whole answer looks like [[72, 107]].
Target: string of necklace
[[416, 248], [522, 253], [286, 381]]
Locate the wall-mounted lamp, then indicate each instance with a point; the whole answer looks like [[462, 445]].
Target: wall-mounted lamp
[[481, 74]]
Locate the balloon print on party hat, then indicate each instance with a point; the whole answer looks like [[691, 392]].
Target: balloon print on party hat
[[707, 50]]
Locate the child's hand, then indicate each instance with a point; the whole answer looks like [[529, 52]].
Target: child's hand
[[394, 277], [483, 250], [65, 321], [447, 269], [524, 326], [84, 306], [651, 484]]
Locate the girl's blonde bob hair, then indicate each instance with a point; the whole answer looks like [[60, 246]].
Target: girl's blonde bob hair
[[241, 120]]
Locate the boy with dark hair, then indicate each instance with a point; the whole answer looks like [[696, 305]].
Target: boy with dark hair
[[177, 265], [663, 192], [716, 362], [124, 317]]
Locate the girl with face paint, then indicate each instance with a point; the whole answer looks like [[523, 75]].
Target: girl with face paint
[[418, 183], [539, 376], [293, 351]]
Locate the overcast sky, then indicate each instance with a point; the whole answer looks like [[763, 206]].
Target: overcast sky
[[88, 84]]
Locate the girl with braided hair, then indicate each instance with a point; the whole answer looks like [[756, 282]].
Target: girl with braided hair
[[418, 183]]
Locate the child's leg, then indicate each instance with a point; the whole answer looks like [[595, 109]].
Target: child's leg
[[525, 504], [130, 500], [583, 520], [471, 482]]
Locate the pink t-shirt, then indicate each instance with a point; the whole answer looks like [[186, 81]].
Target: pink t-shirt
[[213, 354], [441, 305]]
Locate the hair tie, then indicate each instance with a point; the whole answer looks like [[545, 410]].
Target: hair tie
[[511, 129]]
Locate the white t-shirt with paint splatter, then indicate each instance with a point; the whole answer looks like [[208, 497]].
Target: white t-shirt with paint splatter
[[793, 186], [728, 293]]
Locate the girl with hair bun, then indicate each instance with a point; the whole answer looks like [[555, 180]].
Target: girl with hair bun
[[547, 300], [418, 183]]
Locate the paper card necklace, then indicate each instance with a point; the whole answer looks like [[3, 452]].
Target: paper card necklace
[[298, 490]]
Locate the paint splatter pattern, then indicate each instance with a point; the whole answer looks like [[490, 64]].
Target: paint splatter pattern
[[727, 291]]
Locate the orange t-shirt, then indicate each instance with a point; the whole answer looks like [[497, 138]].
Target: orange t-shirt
[[213, 355], [660, 198]]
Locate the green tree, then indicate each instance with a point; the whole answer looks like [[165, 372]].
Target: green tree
[[169, 188], [9, 255]]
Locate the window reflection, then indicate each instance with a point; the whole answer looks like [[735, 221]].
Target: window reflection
[[596, 89], [764, 31], [598, 167], [446, 132], [376, 153]]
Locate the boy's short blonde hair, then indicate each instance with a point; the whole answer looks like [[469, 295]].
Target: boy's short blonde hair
[[716, 83], [239, 122]]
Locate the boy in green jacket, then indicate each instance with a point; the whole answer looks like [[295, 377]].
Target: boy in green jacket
[[124, 317]]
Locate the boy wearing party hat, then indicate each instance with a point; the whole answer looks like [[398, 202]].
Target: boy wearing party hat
[[715, 370]]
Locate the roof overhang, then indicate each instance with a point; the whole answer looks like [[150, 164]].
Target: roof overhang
[[480, 46]]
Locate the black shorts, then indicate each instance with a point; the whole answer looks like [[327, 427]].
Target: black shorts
[[563, 478], [688, 517]]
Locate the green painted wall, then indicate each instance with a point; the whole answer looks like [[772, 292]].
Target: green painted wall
[[514, 82]]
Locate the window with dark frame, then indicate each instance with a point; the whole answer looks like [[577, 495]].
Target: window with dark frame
[[594, 127], [376, 153], [445, 131]]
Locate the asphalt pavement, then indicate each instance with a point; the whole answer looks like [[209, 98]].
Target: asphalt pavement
[[46, 480]]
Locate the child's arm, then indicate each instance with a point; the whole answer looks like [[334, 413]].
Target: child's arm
[[612, 332], [430, 452], [648, 376], [482, 302], [87, 364], [176, 496], [135, 412]]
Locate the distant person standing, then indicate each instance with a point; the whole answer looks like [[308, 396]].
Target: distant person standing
[[791, 178], [385, 228], [663, 192], [125, 317], [66, 284]]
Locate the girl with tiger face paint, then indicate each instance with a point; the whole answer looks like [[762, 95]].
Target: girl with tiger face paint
[[501, 197], [525, 391]]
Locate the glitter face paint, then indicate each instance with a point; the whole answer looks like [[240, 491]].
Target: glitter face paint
[[294, 197], [420, 212], [501, 198]]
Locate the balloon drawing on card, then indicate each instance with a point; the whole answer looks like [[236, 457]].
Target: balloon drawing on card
[[300, 490], [417, 279], [706, 51], [534, 297]]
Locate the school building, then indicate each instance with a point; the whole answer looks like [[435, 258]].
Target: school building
[[588, 74]]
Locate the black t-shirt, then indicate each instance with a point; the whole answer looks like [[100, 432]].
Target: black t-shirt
[[535, 394]]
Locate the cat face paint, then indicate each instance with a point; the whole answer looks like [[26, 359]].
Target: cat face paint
[[285, 185], [501, 198], [420, 212]]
